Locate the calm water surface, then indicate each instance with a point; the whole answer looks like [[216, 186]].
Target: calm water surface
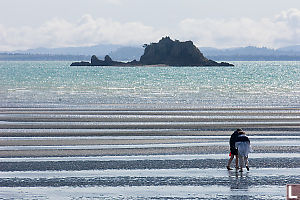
[[56, 83]]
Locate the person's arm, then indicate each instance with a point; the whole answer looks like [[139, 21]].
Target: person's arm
[[231, 142], [248, 140], [236, 144]]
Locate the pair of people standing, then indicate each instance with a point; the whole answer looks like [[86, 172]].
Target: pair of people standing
[[239, 148]]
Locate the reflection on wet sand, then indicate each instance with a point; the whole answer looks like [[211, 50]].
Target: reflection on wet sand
[[74, 156]]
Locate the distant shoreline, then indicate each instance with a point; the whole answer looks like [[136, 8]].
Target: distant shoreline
[[54, 57], [40, 57], [127, 53]]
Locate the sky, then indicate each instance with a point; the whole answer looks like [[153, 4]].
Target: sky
[[26, 24]]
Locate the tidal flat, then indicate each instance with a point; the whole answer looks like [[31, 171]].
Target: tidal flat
[[147, 132], [141, 162]]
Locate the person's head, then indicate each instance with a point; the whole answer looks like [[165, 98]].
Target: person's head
[[238, 130], [242, 133]]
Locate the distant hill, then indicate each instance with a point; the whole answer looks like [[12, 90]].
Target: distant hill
[[40, 57], [252, 53], [127, 53], [102, 49], [116, 52], [250, 50], [294, 49]]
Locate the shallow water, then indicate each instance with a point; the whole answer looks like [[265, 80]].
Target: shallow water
[[149, 184], [148, 192], [147, 157], [294, 143], [146, 133], [190, 172], [56, 83], [163, 176]]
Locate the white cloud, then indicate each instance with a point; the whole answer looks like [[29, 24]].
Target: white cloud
[[292, 16], [280, 30], [114, 2], [86, 31], [283, 29]]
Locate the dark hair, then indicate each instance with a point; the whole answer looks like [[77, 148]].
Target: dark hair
[[239, 129], [241, 132]]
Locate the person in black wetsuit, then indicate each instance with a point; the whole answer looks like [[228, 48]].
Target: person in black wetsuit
[[233, 150]]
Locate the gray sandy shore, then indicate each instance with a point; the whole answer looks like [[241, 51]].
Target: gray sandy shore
[[145, 153]]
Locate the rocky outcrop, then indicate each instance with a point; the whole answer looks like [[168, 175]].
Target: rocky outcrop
[[175, 53], [165, 52], [106, 62]]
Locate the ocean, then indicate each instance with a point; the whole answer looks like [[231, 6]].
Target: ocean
[[147, 132], [254, 84]]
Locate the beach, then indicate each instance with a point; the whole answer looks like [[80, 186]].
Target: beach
[[145, 153], [147, 132]]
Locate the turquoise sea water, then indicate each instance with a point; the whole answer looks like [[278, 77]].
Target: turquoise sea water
[[56, 83], [87, 140]]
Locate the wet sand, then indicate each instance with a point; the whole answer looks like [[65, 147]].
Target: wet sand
[[145, 153]]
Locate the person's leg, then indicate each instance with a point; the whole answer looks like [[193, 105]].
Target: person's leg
[[229, 162], [247, 163], [241, 162], [236, 161]]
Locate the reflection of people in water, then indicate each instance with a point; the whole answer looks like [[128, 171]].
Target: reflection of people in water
[[243, 145], [238, 182], [233, 150]]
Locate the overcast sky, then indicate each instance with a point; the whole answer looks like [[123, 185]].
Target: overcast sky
[[216, 23]]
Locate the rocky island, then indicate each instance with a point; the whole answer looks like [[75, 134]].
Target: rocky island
[[165, 52]]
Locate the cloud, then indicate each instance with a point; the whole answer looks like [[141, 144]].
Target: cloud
[[292, 16], [280, 30], [114, 2], [86, 31]]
